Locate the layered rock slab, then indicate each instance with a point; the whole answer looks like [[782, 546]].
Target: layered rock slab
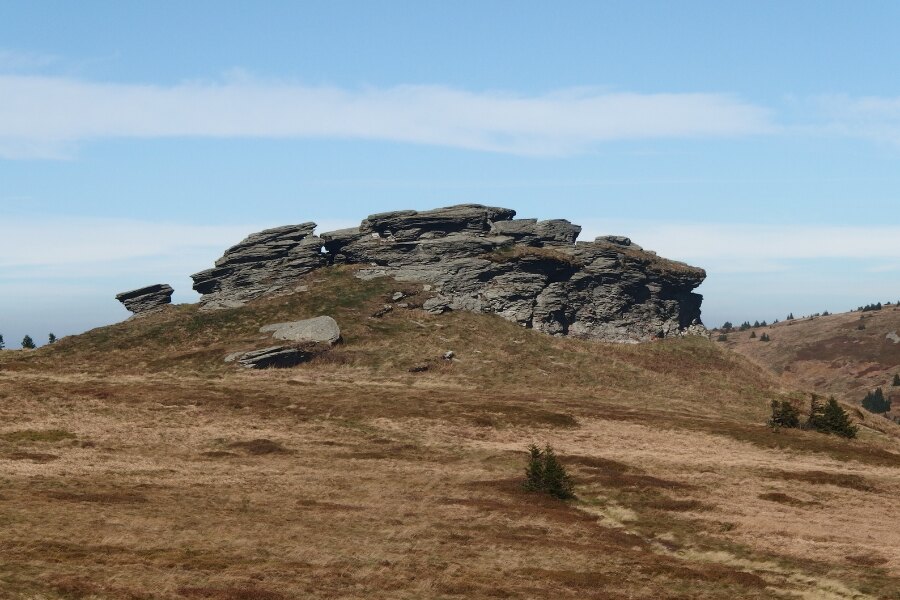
[[273, 357], [267, 262], [479, 258], [146, 299]]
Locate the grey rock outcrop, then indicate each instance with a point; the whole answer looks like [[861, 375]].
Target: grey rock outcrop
[[277, 357], [267, 262], [146, 299], [318, 330], [479, 258]]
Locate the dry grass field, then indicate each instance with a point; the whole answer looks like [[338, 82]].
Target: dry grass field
[[137, 464]]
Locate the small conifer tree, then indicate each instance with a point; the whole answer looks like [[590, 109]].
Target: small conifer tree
[[2, 344], [534, 472], [765, 338], [545, 473], [784, 414], [830, 418], [752, 334], [814, 419], [28, 343], [875, 402], [51, 339], [837, 420], [896, 377]]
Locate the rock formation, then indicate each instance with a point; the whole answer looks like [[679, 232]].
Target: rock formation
[[318, 330], [480, 258], [146, 299]]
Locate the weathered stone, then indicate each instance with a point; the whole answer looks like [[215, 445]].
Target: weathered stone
[[318, 330], [619, 240], [408, 225], [478, 258], [436, 305], [278, 357], [268, 262], [531, 232], [146, 299], [385, 309]]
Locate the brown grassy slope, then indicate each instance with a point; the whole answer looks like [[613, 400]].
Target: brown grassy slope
[[136, 464], [831, 354]]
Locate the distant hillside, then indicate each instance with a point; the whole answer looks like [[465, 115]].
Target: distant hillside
[[844, 354]]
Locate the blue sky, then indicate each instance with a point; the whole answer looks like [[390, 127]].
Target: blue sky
[[138, 140]]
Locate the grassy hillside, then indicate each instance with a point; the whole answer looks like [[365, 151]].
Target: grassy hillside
[[138, 464], [846, 355]]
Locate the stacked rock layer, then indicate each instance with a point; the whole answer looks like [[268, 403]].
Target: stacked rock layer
[[146, 299], [480, 258]]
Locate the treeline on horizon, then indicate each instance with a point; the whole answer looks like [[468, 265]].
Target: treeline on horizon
[[729, 327], [28, 342]]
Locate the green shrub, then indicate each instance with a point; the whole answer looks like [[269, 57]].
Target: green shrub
[[784, 414], [28, 343], [875, 402], [546, 474], [830, 418], [724, 338]]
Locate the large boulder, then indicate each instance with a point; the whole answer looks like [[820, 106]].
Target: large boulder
[[147, 299], [318, 330]]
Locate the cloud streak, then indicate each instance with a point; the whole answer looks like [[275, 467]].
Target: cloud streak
[[109, 247], [43, 117], [875, 118], [728, 247]]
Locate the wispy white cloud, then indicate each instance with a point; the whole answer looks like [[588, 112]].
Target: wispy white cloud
[[15, 60], [756, 248], [54, 248], [42, 241], [874, 118], [42, 117]]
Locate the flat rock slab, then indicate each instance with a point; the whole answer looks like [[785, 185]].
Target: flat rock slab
[[146, 299], [318, 330], [277, 357]]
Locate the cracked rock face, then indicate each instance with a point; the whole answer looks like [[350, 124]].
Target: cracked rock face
[[146, 299], [267, 262], [480, 258]]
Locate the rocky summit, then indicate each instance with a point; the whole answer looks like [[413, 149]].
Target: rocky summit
[[479, 258], [146, 299]]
